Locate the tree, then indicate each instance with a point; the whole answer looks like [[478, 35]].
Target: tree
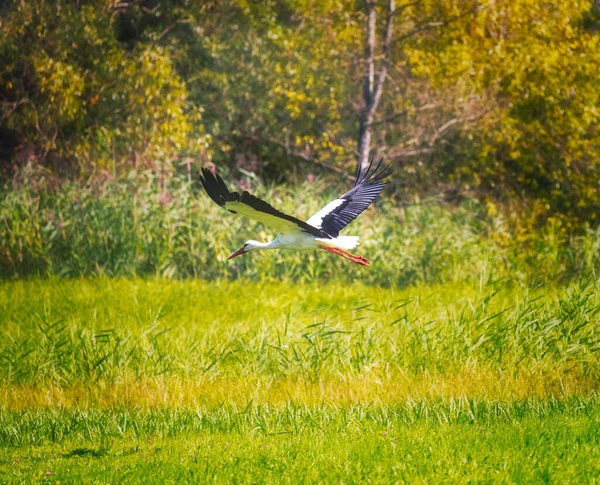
[[536, 66], [73, 97], [373, 84], [422, 17]]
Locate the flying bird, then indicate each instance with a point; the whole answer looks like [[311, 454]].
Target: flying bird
[[321, 231]]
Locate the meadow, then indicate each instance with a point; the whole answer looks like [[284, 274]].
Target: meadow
[[135, 380], [132, 352]]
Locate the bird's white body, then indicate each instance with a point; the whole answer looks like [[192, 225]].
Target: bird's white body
[[304, 241]]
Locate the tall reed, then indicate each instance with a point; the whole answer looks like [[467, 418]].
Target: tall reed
[[141, 225]]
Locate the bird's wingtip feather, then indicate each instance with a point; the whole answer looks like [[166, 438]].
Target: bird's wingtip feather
[[378, 175]]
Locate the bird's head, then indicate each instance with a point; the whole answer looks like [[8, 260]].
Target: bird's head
[[246, 248]]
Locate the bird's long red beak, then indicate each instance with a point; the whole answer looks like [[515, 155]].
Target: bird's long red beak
[[239, 252]]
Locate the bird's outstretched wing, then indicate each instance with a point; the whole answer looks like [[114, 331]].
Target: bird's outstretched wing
[[336, 215], [248, 205]]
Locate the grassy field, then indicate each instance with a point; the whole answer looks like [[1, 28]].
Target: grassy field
[[151, 380], [455, 440]]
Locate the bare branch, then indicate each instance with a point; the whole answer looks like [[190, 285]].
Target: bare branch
[[402, 8], [400, 114], [170, 27], [150, 11], [432, 25], [447, 125], [301, 155], [402, 152], [13, 106], [409, 153], [452, 122], [314, 161], [387, 47], [370, 51]]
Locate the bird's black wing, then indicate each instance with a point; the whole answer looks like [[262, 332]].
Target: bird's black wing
[[248, 205], [339, 213]]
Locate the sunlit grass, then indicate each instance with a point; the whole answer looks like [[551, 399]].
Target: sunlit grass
[[371, 387], [169, 343]]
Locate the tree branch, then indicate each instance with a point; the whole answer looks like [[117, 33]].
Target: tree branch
[[321, 164], [372, 91], [370, 52], [169, 28], [432, 25], [409, 153], [13, 106], [402, 8], [387, 47], [301, 155], [395, 116]]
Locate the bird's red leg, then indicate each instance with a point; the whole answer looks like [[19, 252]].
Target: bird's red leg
[[349, 256]]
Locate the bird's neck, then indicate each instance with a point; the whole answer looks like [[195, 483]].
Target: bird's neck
[[275, 243]]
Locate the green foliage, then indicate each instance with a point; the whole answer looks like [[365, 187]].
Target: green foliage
[[535, 65], [496, 99], [79, 98], [96, 86], [272, 78]]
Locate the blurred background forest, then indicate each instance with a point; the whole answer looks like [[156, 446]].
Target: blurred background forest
[[490, 109]]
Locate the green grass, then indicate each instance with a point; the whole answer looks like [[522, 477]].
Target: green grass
[[153, 380], [141, 225], [468, 351], [455, 441], [64, 333]]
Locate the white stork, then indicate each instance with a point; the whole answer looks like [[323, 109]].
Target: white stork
[[321, 231]]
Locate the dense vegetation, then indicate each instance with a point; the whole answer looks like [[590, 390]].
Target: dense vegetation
[[131, 351], [140, 225], [497, 98]]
